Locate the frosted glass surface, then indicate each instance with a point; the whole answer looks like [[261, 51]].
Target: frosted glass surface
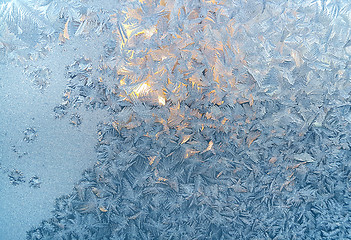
[[161, 119]]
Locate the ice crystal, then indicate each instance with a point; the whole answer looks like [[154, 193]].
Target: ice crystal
[[34, 182], [16, 177], [30, 134], [75, 120], [40, 77]]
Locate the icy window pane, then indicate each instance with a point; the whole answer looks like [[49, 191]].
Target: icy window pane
[[162, 119]]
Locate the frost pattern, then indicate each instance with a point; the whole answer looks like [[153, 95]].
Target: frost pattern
[[230, 120], [27, 27]]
